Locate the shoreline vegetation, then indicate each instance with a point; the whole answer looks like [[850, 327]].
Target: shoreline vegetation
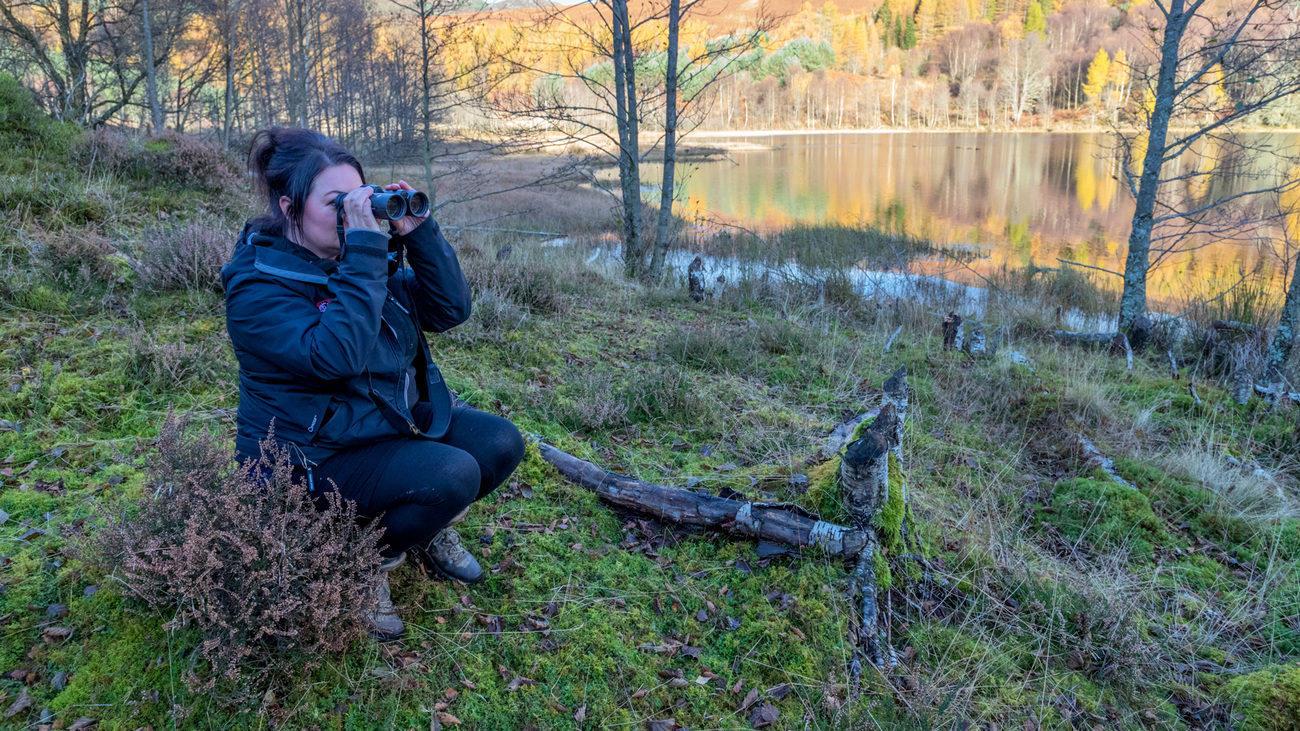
[[1089, 543]]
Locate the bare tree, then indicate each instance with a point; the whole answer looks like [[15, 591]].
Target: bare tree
[[149, 69], [666, 191], [1023, 75], [1247, 51]]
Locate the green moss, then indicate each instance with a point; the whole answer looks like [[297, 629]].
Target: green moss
[[884, 577], [1267, 700], [1107, 515], [889, 518], [824, 490], [24, 128]]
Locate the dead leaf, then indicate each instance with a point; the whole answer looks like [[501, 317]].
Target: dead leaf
[[54, 635], [779, 691], [23, 703], [750, 699], [468, 684], [736, 688], [764, 714], [81, 724], [447, 719], [519, 681], [666, 724], [581, 714], [639, 694]]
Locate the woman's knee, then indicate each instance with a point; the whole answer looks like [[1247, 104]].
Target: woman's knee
[[458, 478], [511, 448]]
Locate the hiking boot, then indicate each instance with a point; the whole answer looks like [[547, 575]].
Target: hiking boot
[[385, 625], [444, 554]]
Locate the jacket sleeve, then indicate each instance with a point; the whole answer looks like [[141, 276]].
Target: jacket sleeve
[[438, 287], [286, 328]]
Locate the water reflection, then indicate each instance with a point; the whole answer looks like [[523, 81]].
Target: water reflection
[[1021, 198]]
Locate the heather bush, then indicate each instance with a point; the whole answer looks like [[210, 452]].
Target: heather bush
[[186, 256], [240, 554], [170, 158], [533, 286], [75, 258], [166, 365]]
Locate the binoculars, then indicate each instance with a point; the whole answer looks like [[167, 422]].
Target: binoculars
[[390, 205]]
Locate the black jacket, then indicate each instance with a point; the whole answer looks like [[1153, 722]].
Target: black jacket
[[320, 341]]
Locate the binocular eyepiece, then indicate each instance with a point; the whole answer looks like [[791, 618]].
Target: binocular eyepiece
[[390, 205]]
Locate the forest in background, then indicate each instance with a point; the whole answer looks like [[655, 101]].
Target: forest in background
[[370, 74]]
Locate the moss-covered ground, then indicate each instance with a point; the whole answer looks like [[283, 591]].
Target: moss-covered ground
[[1051, 596]]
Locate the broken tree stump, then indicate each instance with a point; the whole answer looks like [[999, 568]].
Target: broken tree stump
[[864, 487], [872, 487], [694, 280], [952, 331], [1228, 344], [1243, 385]]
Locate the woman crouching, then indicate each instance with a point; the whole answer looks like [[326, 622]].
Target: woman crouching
[[329, 342]]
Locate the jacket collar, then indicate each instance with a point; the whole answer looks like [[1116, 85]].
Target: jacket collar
[[280, 257]]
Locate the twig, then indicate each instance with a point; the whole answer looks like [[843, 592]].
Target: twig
[[890, 344], [506, 230], [1087, 266]]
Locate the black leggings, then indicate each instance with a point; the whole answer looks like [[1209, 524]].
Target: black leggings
[[420, 485]]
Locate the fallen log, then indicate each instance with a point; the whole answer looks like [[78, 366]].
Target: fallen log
[[778, 523], [1093, 457], [1117, 342]]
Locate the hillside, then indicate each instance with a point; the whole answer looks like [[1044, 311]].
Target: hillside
[[1052, 595]]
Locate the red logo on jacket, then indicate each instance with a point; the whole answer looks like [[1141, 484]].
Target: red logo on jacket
[[324, 303]]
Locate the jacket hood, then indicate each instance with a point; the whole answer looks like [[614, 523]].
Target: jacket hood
[[276, 256]]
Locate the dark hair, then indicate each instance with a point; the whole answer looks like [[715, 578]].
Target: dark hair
[[286, 161]]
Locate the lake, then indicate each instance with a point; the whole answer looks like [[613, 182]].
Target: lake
[[1016, 198]]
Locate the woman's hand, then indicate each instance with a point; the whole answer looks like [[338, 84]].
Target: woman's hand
[[357, 212], [408, 223]]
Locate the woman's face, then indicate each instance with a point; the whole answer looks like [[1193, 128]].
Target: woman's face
[[319, 232]]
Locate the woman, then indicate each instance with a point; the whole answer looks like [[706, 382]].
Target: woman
[[330, 350]]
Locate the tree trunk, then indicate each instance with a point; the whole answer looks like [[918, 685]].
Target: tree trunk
[[151, 75], [666, 192], [1133, 301], [232, 18], [634, 264], [426, 89], [1284, 337], [625, 119]]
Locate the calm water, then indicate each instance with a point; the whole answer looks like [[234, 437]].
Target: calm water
[[1017, 198]]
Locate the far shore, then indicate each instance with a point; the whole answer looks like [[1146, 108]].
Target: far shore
[[896, 130]]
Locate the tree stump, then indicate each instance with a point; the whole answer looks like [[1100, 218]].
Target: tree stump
[[952, 332], [872, 486], [694, 279]]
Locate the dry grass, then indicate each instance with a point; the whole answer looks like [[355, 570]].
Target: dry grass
[[1244, 490]]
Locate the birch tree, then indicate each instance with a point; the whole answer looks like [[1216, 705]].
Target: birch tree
[[1251, 51]]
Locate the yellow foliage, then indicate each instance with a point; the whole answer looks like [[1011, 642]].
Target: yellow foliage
[[1098, 74]]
